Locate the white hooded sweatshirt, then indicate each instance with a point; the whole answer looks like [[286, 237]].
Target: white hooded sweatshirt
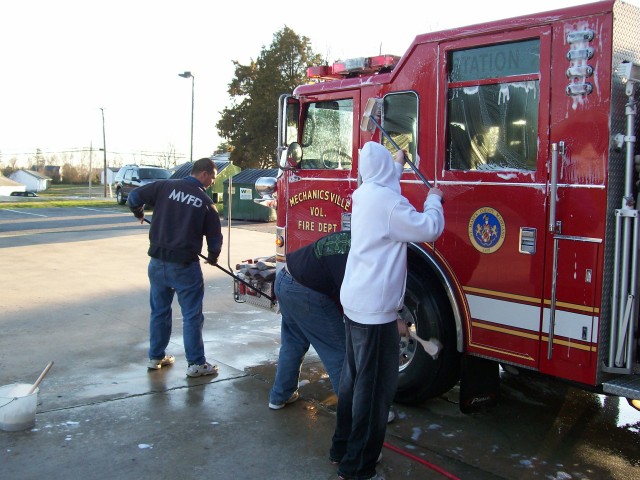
[[382, 222]]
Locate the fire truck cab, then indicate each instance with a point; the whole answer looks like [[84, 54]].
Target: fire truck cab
[[528, 127]]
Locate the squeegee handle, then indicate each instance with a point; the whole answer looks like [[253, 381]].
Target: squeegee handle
[[411, 164], [247, 284]]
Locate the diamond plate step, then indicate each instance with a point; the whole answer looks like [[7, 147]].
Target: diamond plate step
[[627, 386]]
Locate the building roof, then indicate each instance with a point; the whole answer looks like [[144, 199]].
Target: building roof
[[250, 175], [39, 176], [7, 182]]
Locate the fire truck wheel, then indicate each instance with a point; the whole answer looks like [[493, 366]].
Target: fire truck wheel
[[428, 313]]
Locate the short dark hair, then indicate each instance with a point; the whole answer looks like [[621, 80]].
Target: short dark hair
[[203, 165]]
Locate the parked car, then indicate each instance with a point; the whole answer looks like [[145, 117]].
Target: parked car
[[132, 176], [23, 194]]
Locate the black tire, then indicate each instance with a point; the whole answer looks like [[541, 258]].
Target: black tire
[[427, 311], [121, 200]]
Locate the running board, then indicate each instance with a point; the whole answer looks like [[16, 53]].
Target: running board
[[627, 386]]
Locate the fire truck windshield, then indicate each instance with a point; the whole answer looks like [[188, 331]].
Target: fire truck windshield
[[327, 138]]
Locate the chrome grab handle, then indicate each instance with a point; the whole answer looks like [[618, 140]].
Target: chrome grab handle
[[554, 290], [554, 187]]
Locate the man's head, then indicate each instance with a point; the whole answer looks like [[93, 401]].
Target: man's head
[[205, 171]]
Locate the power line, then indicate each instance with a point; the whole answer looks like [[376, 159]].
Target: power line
[[88, 149]]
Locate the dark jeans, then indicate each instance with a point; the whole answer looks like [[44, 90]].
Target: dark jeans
[[185, 280], [308, 317], [367, 387]]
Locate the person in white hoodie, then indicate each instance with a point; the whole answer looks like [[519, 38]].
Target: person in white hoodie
[[372, 293]]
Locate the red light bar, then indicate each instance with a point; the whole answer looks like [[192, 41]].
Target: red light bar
[[384, 61], [319, 71], [353, 67], [339, 68]]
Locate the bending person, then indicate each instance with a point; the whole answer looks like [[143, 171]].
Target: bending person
[[308, 291]]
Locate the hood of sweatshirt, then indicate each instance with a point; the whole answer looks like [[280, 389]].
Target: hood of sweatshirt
[[377, 166]]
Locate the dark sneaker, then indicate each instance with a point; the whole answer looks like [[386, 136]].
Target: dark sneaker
[[377, 476], [333, 461]]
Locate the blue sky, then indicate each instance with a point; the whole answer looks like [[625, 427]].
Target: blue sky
[[65, 59]]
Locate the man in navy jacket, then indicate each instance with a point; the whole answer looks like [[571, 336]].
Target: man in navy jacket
[[182, 214]]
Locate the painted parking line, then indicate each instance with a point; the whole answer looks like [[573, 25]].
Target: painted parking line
[[76, 228], [102, 210], [21, 211]]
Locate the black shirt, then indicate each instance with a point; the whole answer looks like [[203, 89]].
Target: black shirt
[[320, 265]]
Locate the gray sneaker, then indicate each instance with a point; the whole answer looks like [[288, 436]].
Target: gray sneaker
[[158, 363], [277, 406], [206, 368]]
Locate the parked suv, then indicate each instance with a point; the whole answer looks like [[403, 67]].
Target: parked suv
[[132, 176]]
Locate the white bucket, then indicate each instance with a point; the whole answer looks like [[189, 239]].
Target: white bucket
[[18, 407]]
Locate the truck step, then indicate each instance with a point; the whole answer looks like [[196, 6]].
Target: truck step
[[627, 386]]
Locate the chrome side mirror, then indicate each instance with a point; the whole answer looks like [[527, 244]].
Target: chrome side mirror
[[266, 187], [292, 157]]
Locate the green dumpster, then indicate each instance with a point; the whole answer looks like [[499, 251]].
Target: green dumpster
[[243, 191]]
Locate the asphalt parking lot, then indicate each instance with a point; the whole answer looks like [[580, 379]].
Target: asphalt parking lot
[[76, 293]]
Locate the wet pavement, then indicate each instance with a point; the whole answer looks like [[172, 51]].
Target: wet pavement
[[80, 299]]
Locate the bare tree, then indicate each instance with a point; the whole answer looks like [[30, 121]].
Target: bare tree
[[11, 167], [168, 159]]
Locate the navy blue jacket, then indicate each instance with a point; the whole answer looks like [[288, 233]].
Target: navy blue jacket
[[182, 214]]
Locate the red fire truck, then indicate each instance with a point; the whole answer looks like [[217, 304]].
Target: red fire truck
[[528, 127]]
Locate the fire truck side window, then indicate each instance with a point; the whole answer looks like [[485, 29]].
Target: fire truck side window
[[400, 120], [327, 136], [492, 107], [293, 111]]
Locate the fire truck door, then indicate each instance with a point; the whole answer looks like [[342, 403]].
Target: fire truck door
[[319, 191], [494, 175], [581, 167], [569, 331]]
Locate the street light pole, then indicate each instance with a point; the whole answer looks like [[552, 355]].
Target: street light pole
[[90, 165], [104, 149], [192, 77]]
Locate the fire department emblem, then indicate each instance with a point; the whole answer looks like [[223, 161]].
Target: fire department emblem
[[486, 230]]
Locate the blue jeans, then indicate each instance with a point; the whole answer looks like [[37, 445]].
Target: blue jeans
[[308, 317], [367, 387], [186, 280]]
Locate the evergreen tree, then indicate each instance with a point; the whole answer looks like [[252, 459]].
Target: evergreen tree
[[249, 125]]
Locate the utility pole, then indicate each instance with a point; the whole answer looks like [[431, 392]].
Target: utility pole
[[104, 149], [90, 165]]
